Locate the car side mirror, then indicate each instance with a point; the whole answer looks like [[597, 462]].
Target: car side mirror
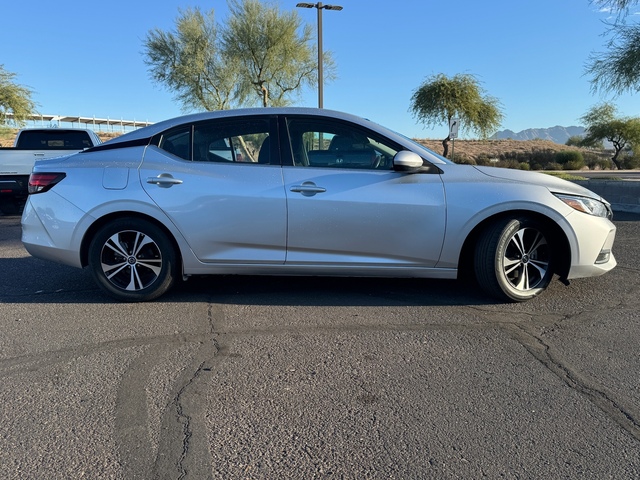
[[406, 161]]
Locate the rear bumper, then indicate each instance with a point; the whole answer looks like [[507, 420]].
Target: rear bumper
[[14, 185], [48, 229]]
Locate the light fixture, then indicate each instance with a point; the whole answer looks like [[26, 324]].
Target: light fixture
[[319, 6]]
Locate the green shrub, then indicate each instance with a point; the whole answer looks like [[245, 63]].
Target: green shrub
[[595, 161], [484, 160], [630, 162], [566, 176], [574, 141], [553, 166], [542, 156], [464, 159], [573, 165], [570, 159], [509, 163]]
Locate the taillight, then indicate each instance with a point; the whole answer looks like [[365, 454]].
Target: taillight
[[41, 182]]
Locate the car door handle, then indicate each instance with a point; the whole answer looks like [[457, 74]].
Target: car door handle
[[308, 189], [164, 180]]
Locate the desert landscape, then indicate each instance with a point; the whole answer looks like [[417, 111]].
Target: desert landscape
[[507, 151]]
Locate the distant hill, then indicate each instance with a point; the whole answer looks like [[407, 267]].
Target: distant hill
[[555, 134]]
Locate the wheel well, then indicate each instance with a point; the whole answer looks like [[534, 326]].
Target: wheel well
[[98, 224], [562, 257]]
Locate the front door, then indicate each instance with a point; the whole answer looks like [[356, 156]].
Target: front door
[[347, 207]]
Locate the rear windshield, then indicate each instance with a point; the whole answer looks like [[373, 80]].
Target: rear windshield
[[54, 139]]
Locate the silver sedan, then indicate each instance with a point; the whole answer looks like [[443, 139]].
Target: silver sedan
[[292, 191]]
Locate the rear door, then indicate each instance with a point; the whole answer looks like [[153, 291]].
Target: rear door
[[221, 184]]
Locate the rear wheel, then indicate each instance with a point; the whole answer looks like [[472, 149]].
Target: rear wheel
[[514, 259], [132, 260]]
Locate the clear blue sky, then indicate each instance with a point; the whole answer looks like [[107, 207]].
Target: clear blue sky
[[85, 58]]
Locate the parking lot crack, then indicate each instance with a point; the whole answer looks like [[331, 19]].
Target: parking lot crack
[[539, 349], [177, 440], [183, 450], [185, 420]]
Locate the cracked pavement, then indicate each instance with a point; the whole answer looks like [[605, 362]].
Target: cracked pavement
[[236, 377]]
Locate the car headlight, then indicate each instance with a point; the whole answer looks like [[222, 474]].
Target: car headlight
[[586, 205]]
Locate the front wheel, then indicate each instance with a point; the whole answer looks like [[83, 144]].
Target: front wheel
[[514, 259], [132, 260]]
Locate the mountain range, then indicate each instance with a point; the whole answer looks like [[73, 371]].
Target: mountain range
[[556, 134]]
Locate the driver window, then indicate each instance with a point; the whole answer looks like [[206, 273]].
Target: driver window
[[326, 143]]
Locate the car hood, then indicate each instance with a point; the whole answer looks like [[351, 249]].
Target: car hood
[[554, 184]]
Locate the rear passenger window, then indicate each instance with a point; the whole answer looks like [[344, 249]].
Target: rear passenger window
[[222, 141], [245, 141], [177, 142]]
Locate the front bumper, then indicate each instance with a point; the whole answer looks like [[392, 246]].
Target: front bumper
[[592, 246]]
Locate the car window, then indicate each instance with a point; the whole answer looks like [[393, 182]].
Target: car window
[[54, 139], [227, 141], [177, 142], [244, 141], [319, 142]]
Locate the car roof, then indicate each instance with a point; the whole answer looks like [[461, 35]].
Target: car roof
[[151, 130]]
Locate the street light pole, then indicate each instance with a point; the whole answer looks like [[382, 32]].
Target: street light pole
[[319, 6], [320, 58]]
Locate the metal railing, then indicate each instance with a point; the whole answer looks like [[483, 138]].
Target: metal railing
[[93, 123]]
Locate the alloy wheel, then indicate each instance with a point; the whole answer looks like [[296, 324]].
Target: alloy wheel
[[131, 260], [526, 259]]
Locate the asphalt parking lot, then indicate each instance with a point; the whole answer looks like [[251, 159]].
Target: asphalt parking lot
[[254, 377]]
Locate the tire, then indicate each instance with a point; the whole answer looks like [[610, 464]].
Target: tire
[[513, 259], [132, 260]]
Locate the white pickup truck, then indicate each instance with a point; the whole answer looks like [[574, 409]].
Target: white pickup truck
[[33, 144]]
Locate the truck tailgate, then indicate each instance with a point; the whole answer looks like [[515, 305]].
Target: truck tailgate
[[20, 162]]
